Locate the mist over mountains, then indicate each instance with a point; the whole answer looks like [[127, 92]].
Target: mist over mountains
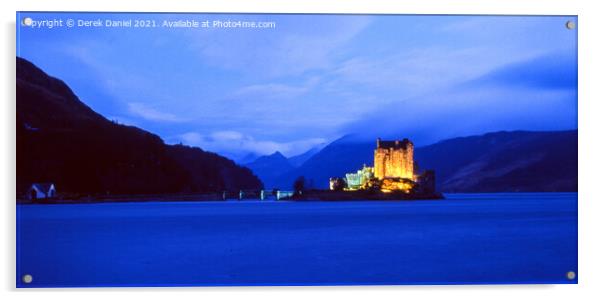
[[62, 141], [516, 161]]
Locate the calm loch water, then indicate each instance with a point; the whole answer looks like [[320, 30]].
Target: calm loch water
[[467, 238]]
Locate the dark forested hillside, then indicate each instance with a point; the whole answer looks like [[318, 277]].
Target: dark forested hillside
[[518, 161], [61, 140]]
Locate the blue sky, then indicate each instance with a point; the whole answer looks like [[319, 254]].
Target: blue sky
[[315, 78]]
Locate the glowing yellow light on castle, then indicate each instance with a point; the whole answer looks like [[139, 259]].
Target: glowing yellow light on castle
[[393, 169], [394, 159]]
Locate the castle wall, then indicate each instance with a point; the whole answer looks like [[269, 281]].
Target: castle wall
[[394, 162]]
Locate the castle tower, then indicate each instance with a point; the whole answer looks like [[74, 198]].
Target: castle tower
[[394, 159]]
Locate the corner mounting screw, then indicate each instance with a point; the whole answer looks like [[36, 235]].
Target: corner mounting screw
[[570, 25], [570, 275], [27, 278]]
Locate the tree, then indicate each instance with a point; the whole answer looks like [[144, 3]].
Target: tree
[[299, 185], [338, 184]]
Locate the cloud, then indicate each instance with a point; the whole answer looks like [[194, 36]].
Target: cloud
[[236, 144], [272, 91], [417, 71], [122, 83], [297, 45], [321, 76], [151, 114], [536, 94], [113, 77], [275, 109], [551, 71]]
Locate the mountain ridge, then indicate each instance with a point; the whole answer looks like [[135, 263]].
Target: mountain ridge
[[478, 163], [62, 140], [270, 167]]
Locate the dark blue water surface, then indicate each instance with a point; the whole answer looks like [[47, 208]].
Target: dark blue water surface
[[466, 238]]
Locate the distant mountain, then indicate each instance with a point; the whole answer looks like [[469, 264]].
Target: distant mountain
[[61, 140], [298, 160], [518, 161], [339, 157], [270, 167], [494, 162], [247, 159]]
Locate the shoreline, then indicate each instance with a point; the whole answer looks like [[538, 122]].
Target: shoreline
[[306, 196], [309, 196]]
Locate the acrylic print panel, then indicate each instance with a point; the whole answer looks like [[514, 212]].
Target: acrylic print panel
[[295, 149]]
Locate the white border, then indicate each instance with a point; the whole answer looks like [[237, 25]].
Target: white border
[[590, 54]]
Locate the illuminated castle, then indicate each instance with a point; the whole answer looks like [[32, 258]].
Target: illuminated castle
[[394, 159], [394, 170]]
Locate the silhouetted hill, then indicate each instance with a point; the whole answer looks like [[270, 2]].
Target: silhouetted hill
[[494, 162], [270, 167], [518, 161], [61, 140], [339, 157], [300, 159]]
